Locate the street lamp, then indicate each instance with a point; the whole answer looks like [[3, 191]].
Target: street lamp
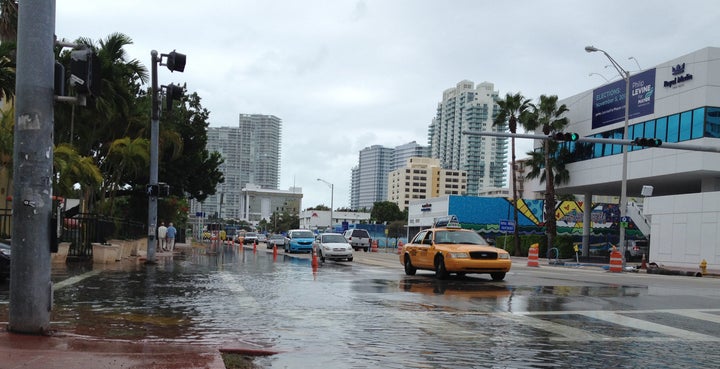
[[623, 187], [332, 190], [174, 62]]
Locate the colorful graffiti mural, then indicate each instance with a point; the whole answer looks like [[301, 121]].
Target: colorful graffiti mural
[[484, 214]]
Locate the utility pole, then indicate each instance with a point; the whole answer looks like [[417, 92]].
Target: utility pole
[[30, 285]]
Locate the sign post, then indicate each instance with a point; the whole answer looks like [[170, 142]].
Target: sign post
[[507, 226]]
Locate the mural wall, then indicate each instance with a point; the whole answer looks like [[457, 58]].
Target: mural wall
[[484, 215]]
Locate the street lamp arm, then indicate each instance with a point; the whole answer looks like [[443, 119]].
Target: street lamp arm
[[625, 74]]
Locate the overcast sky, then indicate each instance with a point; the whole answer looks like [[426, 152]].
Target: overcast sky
[[344, 75]]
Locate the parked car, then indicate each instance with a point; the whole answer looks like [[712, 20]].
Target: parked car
[[636, 249], [359, 239], [4, 260], [250, 238], [333, 246], [276, 240], [300, 240], [447, 248], [261, 238]]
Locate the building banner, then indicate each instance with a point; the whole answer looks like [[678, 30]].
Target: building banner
[[609, 100]]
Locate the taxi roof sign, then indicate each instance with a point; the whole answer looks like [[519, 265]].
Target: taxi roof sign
[[450, 221]]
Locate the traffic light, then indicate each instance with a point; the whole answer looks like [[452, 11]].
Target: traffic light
[[173, 92], [175, 61], [648, 142], [85, 72], [565, 136]]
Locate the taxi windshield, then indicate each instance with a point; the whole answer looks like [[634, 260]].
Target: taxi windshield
[[457, 237]]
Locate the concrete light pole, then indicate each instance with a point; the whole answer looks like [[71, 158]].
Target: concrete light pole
[[30, 284], [332, 196], [623, 186]]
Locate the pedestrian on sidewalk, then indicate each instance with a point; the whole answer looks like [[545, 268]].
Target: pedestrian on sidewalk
[[162, 237], [171, 232]]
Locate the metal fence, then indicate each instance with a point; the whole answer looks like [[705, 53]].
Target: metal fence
[[84, 229]]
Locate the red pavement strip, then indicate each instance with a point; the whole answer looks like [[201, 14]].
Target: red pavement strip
[[70, 352]]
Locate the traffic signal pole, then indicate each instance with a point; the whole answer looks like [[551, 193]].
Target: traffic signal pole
[[154, 143], [30, 284], [615, 141]]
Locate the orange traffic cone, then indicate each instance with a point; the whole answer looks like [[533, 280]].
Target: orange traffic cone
[[533, 255], [643, 264], [255, 246], [314, 261], [274, 251], [615, 261], [400, 247]]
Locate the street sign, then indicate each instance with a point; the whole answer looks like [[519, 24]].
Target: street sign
[[507, 226]]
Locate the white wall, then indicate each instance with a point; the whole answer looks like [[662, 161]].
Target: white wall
[[685, 230]]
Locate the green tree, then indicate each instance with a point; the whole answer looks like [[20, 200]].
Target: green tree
[[196, 172], [72, 169], [511, 110], [385, 211], [396, 229], [545, 164]]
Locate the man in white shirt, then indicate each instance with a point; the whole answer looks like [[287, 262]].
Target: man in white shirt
[[162, 237]]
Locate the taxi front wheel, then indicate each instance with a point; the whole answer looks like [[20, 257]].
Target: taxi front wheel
[[440, 270], [409, 268]]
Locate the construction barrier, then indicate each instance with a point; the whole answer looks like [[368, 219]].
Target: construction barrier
[[616, 261], [400, 247], [374, 247], [533, 255]]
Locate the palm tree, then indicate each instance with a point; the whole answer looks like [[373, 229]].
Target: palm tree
[[548, 164], [127, 159], [72, 169], [512, 108], [8, 21]]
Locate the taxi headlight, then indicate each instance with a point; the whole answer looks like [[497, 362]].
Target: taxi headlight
[[458, 255], [503, 256]]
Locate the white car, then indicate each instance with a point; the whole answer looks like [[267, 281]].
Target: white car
[[333, 246]]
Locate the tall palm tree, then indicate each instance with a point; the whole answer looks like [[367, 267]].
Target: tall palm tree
[[512, 108], [548, 116]]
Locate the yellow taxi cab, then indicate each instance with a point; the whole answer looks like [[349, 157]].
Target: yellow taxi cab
[[447, 248]]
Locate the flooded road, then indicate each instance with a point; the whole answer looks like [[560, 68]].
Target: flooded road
[[354, 315]]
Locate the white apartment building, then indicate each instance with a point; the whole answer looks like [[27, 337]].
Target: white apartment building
[[678, 102], [424, 178], [252, 157], [470, 107]]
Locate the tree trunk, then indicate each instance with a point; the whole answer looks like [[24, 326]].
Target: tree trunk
[[516, 233]]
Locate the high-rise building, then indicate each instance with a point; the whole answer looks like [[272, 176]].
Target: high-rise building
[[252, 157], [469, 107], [423, 178], [370, 178], [369, 181], [407, 151]]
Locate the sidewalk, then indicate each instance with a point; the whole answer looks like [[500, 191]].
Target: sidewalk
[[69, 351]]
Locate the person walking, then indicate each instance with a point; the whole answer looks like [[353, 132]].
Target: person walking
[[171, 232], [162, 237]]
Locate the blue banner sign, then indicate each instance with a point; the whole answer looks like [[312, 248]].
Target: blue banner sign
[[507, 226], [609, 100]]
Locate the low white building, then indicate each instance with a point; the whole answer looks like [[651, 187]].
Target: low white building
[[677, 102], [320, 219]]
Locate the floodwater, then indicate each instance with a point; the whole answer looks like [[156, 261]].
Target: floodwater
[[348, 315]]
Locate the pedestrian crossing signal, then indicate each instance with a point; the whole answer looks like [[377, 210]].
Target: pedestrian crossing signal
[[565, 136]]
